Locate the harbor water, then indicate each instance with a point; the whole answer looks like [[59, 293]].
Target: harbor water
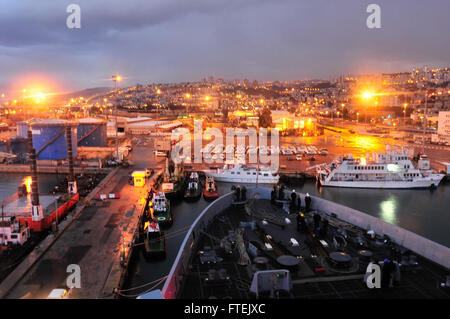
[[10, 181]]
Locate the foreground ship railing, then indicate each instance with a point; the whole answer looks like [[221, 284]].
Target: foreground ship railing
[[418, 244]]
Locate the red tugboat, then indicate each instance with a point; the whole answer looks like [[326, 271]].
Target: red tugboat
[[210, 191]]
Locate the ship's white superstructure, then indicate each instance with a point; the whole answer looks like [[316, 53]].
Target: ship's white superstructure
[[244, 174], [386, 170]]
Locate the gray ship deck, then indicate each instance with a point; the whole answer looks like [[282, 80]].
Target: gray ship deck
[[216, 273]]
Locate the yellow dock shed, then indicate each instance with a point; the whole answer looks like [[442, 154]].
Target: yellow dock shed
[[138, 178]]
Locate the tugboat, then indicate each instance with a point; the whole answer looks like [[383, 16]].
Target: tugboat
[[161, 209], [194, 189], [154, 241], [173, 181], [210, 191]]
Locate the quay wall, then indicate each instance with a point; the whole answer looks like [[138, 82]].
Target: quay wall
[[52, 169], [418, 244]]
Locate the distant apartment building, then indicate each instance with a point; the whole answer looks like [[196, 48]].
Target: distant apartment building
[[443, 131], [396, 78]]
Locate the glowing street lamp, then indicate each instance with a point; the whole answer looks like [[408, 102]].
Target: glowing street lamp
[[404, 112], [116, 78], [367, 95]]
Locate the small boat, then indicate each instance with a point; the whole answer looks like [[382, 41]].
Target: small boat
[[161, 209], [194, 189], [210, 191], [154, 241], [172, 183]]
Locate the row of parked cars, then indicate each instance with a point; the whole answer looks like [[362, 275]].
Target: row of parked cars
[[283, 150]]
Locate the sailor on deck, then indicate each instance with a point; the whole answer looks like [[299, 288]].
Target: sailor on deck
[[301, 223], [307, 202], [293, 200]]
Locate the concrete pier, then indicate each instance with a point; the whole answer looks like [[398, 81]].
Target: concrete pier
[[94, 237]]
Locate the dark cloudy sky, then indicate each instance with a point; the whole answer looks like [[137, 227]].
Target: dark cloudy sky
[[180, 40]]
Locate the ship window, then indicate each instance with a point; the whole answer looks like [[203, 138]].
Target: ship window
[[232, 173], [266, 174], [254, 173], [239, 173], [13, 236]]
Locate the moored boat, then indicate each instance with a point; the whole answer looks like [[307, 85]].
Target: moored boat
[[386, 170], [194, 190], [210, 191], [172, 184], [161, 209], [154, 241], [244, 174]]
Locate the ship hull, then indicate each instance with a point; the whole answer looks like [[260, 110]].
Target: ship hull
[[56, 215], [382, 184], [210, 195], [244, 180]]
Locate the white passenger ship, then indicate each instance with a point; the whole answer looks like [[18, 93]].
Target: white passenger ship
[[244, 174], [388, 170]]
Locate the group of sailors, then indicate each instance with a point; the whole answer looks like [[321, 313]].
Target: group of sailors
[[295, 205], [390, 272], [278, 194], [240, 193]]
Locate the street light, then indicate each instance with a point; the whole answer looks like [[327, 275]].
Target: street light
[[188, 96], [116, 78], [404, 113], [367, 95]]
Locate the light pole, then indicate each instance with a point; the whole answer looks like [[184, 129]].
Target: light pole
[[425, 121], [188, 96], [404, 113], [116, 78]]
